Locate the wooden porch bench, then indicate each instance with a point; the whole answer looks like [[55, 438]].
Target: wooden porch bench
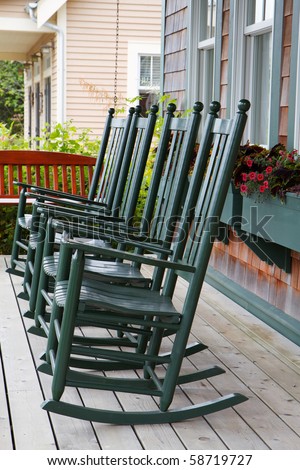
[[70, 173]]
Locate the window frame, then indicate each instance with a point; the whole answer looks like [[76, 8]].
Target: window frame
[[136, 49], [241, 33], [194, 81], [148, 87]]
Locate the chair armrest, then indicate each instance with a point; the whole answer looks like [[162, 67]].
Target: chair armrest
[[86, 214], [57, 193], [113, 231], [124, 255], [65, 204]]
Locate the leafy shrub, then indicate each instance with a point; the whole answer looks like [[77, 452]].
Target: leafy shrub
[[66, 138]]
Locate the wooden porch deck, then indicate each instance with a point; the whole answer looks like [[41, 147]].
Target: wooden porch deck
[[259, 363]]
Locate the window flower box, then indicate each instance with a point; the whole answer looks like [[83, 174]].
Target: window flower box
[[273, 220]]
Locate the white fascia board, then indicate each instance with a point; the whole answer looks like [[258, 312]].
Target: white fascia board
[[46, 9], [20, 24]]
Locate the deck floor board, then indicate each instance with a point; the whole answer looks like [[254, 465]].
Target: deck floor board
[[259, 363]]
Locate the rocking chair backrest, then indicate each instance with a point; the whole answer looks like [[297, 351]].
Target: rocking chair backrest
[[110, 157], [224, 141], [170, 170], [130, 177]]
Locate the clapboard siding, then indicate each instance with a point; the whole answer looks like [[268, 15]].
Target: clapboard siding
[[91, 45], [14, 9]]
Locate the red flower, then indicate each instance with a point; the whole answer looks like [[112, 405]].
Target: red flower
[[244, 177], [249, 162], [260, 177], [243, 188], [262, 188], [269, 169], [266, 184], [252, 175]]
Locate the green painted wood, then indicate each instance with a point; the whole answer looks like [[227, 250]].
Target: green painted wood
[[115, 129], [273, 220], [125, 159], [173, 157], [154, 417], [137, 306]]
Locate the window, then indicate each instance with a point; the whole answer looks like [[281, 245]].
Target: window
[[47, 101], [149, 80], [260, 10], [47, 86], [149, 71], [206, 50], [29, 109], [37, 109], [143, 72], [258, 67]]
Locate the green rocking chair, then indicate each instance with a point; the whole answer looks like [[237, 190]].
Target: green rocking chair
[[125, 158], [110, 154], [164, 196], [145, 309]]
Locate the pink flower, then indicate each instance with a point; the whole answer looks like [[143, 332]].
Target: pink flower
[[266, 184], [262, 188], [243, 188], [269, 170], [249, 162], [260, 177], [244, 177], [252, 175]]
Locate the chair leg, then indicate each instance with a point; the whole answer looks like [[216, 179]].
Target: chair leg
[[17, 234]]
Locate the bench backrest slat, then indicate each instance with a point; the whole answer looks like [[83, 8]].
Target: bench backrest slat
[[70, 173]]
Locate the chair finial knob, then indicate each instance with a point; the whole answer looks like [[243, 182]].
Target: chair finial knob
[[171, 108], [198, 107], [244, 106], [214, 107]]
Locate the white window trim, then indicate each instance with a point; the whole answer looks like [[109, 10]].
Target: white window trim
[[135, 50], [145, 87], [206, 44], [297, 110], [239, 57], [256, 29]]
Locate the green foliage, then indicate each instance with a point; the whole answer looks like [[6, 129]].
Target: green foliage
[[61, 138], [12, 94], [10, 140], [66, 138], [8, 216]]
